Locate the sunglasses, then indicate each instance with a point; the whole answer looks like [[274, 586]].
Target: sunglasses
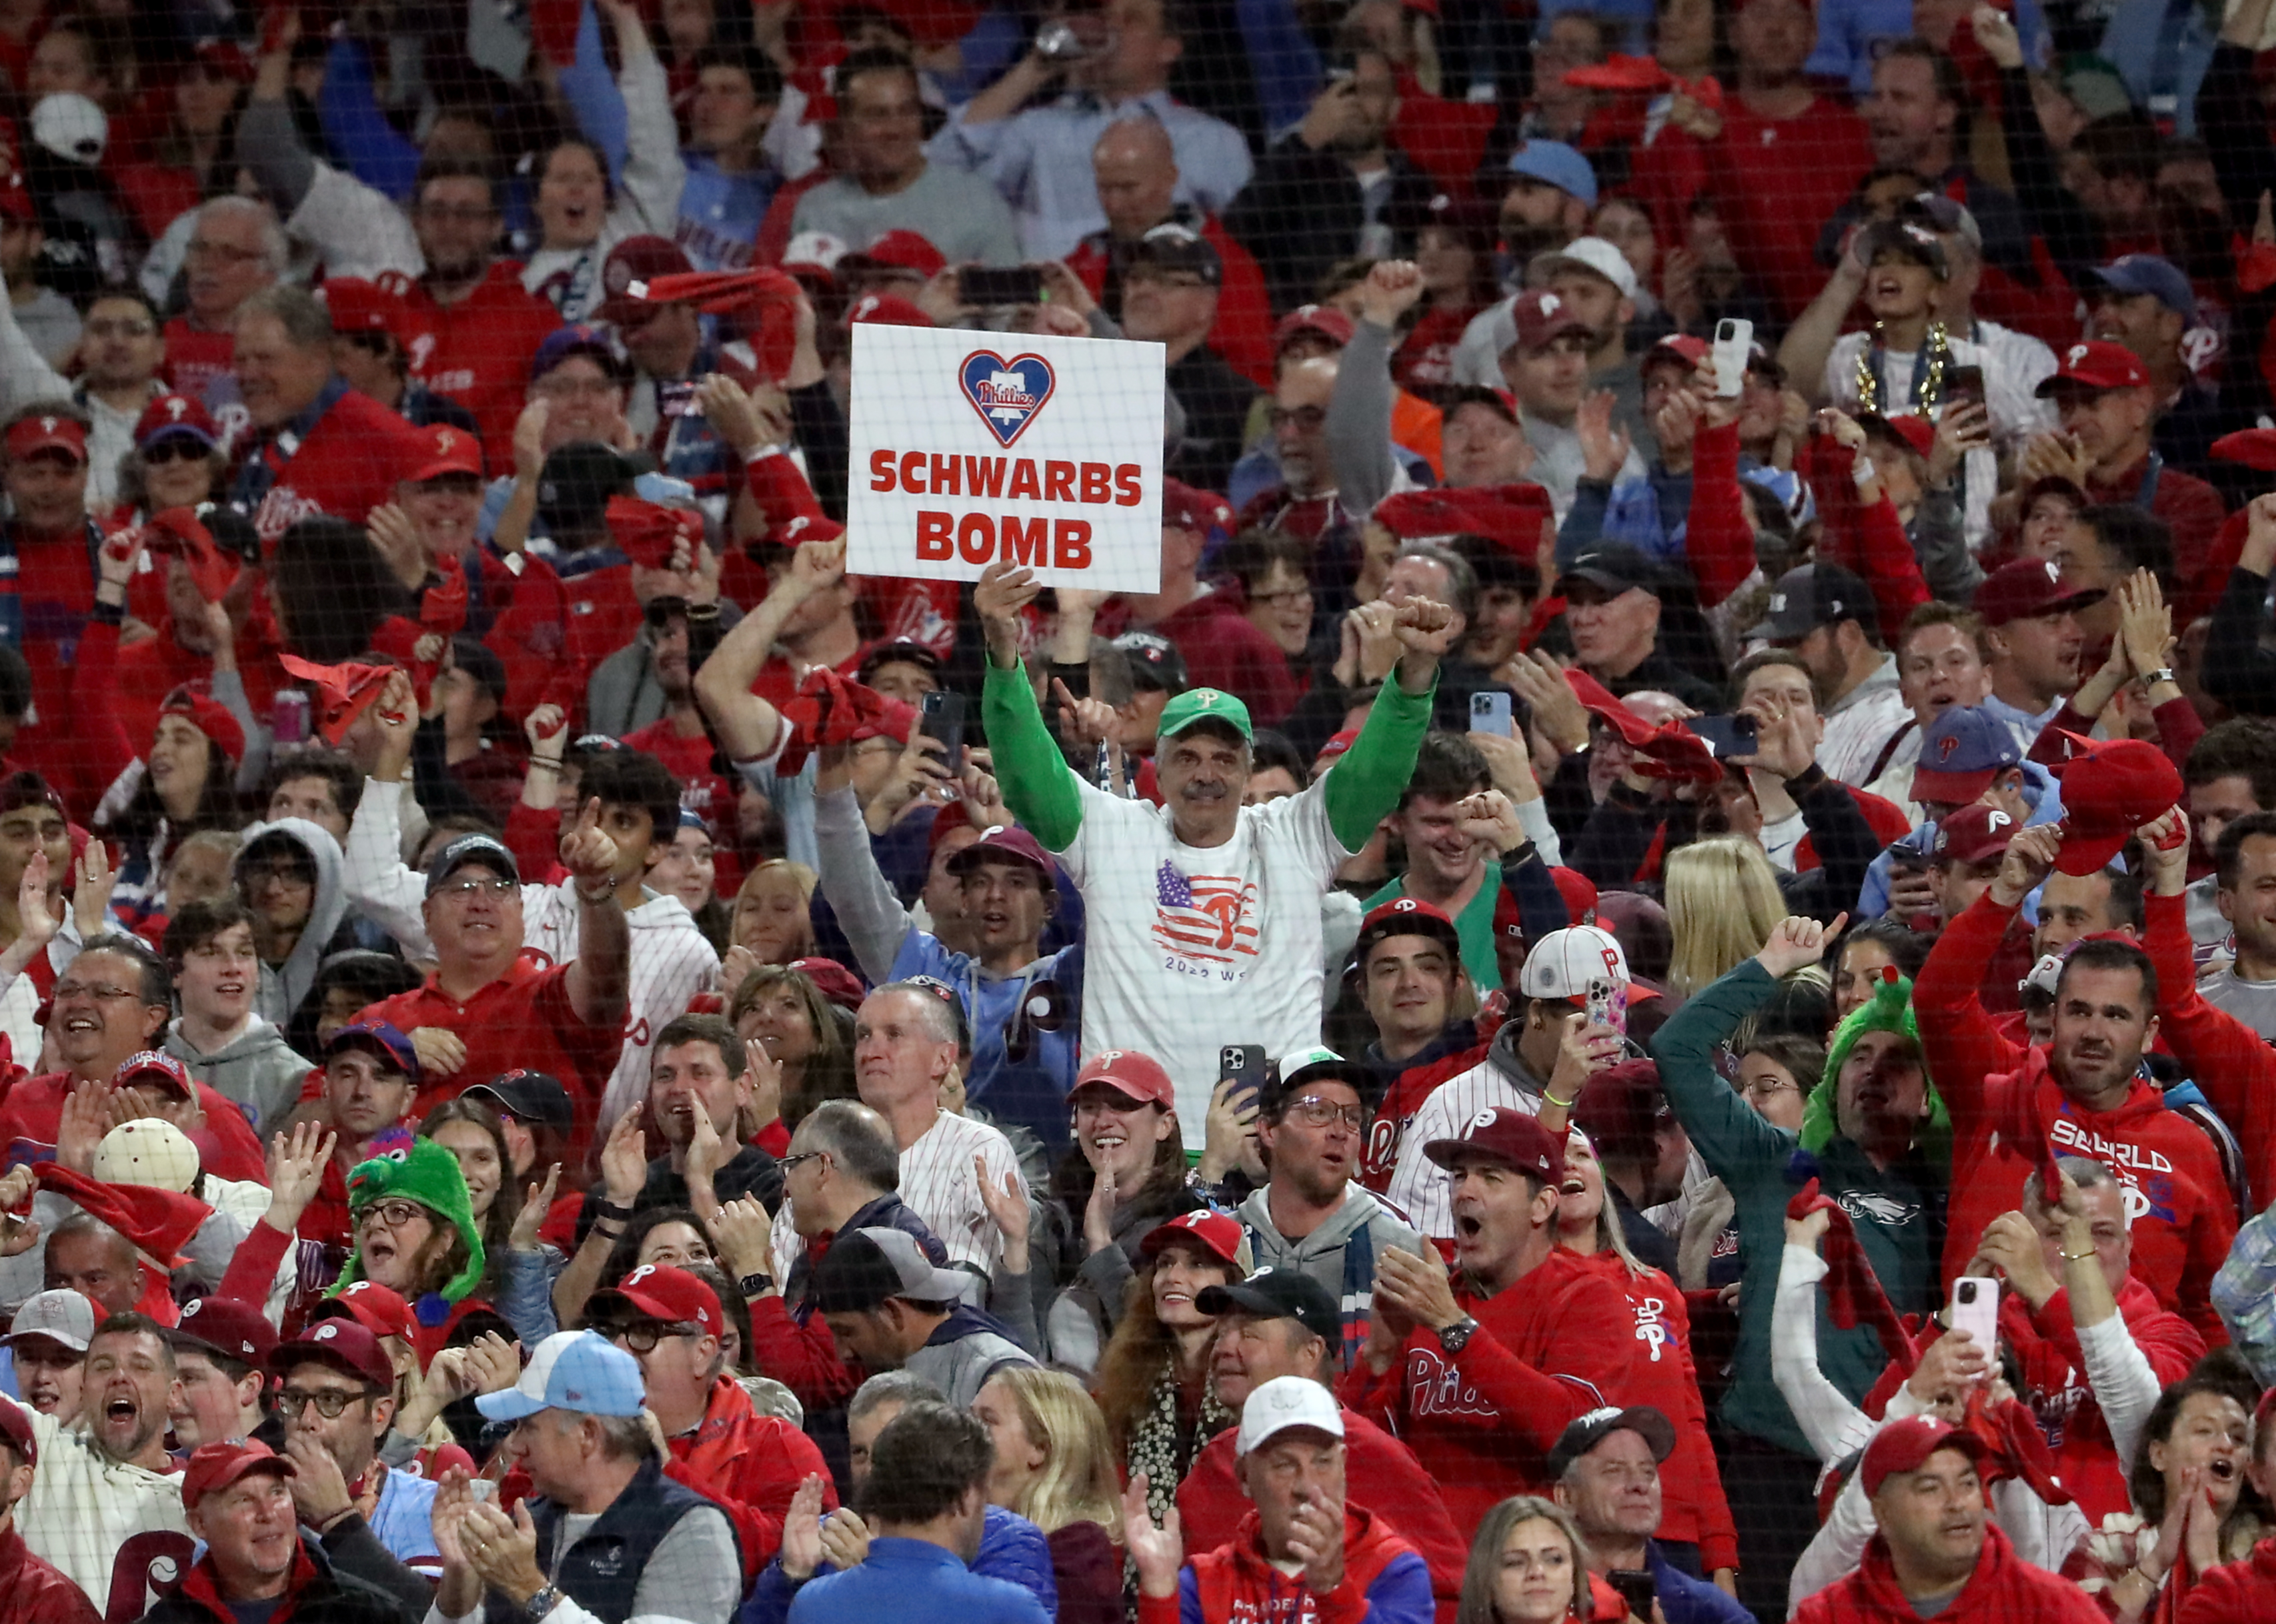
[[174, 448]]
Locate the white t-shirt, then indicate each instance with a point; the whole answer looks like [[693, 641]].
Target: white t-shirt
[[1191, 948]]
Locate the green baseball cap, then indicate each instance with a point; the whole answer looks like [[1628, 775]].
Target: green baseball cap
[[1202, 705]]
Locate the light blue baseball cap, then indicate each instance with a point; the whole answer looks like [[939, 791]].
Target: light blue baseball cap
[[1556, 164], [572, 1370]]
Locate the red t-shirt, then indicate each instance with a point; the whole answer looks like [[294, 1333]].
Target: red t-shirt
[[524, 1018], [347, 466], [196, 359], [478, 350]]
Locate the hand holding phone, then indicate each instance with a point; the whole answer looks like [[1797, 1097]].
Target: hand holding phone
[[1490, 712], [941, 717], [1243, 1064], [1734, 343], [1975, 1309]]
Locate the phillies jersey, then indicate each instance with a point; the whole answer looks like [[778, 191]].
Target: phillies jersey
[[345, 464], [478, 350]]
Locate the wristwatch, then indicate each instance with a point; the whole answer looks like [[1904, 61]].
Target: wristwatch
[[1456, 1337], [755, 1285], [545, 1601]]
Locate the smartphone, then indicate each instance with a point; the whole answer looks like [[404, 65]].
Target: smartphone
[[1637, 1589], [1975, 1309], [1964, 385], [999, 285], [1490, 713], [942, 717], [675, 397], [1727, 735], [1244, 1063], [1600, 1003], [1735, 345]]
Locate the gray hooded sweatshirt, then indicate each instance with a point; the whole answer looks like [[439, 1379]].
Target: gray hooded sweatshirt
[[1339, 1254], [257, 1071], [282, 986]]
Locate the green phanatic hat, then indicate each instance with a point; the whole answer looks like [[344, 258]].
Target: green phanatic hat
[[1889, 1009], [1202, 705], [429, 1175]]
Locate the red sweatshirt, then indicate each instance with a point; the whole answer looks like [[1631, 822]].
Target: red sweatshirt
[[2004, 1590], [1692, 1506], [2229, 1062], [2194, 512], [33, 1110], [2236, 1592], [750, 1465], [478, 350], [1237, 1584], [1548, 1350], [2183, 1220], [1383, 1477]]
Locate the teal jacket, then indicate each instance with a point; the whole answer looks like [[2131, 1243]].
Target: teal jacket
[[1898, 1212]]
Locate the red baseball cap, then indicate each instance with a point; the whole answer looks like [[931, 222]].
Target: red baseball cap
[[1676, 350], [361, 307], [886, 310], [1219, 1233], [1509, 515], [1975, 834], [1541, 318], [223, 59], [1407, 916], [218, 1465], [1001, 841], [33, 434], [157, 1063], [832, 980], [1910, 430], [2026, 587], [1140, 1076], [2125, 783], [378, 1308], [447, 451], [1325, 320], [1510, 1137], [2255, 448], [343, 1344], [897, 250], [631, 266], [658, 1291], [225, 1326], [210, 718], [1904, 1446], [2096, 364], [1189, 508], [16, 1428], [1578, 891], [176, 414]]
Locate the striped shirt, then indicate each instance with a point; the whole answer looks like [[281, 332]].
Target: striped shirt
[[1418, 1185], [113, 1528], [937, 1185]]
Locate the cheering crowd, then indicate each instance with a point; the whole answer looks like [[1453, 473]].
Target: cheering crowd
[[1642, 989]]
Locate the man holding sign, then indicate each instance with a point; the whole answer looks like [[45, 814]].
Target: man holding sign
[[1203, 915]]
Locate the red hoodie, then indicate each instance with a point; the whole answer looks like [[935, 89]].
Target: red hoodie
[[2230, 1063], [2183, 1220], [1551, 1347], [1692, 1508], [2235, 1592], [2004, 1590], [1385, 1480], [1385, 1582], [751, 1465]]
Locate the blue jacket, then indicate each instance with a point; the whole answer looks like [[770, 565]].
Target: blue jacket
[[917, 1583], [1013, 1556], [1685, 1600]]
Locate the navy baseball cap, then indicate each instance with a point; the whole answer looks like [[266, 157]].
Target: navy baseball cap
[[580, 338], [467, 849], [380, 1038], [2148, 273], [1963, 750]]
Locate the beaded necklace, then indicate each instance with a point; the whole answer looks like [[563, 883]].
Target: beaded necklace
[[1927, 381]]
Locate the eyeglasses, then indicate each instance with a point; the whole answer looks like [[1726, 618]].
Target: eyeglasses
[[789, 1162], [277, 873], [330, 1402], [464, 889], [1307, 418], [101, 992], [393, 1214], [173, 448], [1313, 1112], [641, 1336]]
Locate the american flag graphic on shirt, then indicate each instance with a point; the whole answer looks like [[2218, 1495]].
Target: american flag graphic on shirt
[[1204, 915]]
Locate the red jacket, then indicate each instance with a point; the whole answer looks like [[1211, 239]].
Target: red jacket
[[1385, 1479], [751, 1465], [37, 1590], [2229, 1062], [2235, 1592], [33, 1110], [1242, 334], [1236, 1584], [2183, 1218], [1548, 1350], [347, 466], [478, 350], [1692, 1506], [2005, 1589]]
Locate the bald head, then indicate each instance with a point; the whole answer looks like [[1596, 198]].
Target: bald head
[[1137, 174]]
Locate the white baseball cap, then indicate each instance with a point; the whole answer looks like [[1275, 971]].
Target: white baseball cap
[[1599, 255], [1284, 1402], [1563, 962], [71, 126], [61, 1315], [820, 249], [148, 1151]]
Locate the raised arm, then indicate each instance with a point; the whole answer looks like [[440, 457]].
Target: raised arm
[[1359, 411], [1038, 786], [1364, 786], [653, 171], [748, 726]]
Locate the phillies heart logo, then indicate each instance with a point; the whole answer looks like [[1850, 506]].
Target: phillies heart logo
[[1007, 394]]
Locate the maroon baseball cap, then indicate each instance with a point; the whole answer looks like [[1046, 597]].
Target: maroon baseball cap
[[218, 1465], [886, 310], [1510, 1137], [16, 1428], [176, 414], [378, 1308], [897, 250], [1407, 916], [1905, 1447], [2096, 364], [1218, 1233], [1622, 1108], [1540, 319], [658, 1291], [1000, 841], [2109, 793], [2026, 587], [631, 266], [1140, 1076], [1323, 321], [1189, 508], [1975, 834], [225, 1326], [343, 1344], [832, 980]]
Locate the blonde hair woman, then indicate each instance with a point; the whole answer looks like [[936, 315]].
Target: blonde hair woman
[[1055, 1467], [1723, 902], [772, 918]]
